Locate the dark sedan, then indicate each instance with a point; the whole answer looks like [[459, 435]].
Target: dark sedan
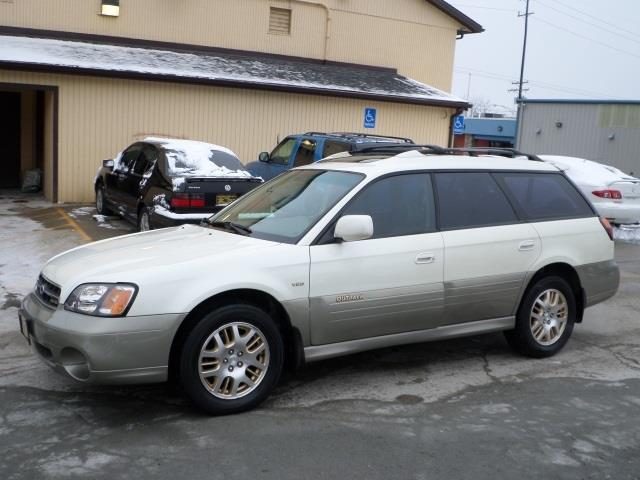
[[162, 182]]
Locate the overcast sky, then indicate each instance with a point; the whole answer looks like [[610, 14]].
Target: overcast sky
[[576, 49]]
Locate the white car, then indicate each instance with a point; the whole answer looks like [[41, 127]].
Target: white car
[[615, 194], [355, 253]]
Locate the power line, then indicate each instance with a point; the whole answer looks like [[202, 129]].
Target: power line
[[535, 83], [571, 7], [588, 23], [585, 37]]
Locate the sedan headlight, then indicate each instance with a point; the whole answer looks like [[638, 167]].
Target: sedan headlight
[[102, 299]]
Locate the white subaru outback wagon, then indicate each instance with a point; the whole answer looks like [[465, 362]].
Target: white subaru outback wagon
[[364, 251]]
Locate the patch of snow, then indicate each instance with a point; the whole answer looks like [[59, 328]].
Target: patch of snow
[[588, 172], [226, 67], [627, 234], [180, 216], [161, 201]]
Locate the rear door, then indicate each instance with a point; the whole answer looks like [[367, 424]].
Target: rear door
[[488, 250], [387, 284]]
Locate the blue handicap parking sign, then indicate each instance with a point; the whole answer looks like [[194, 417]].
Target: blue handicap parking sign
[[370, 118], [458, 124]]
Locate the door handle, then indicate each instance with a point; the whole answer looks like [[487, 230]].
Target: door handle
[[527, 245], [425, 258]]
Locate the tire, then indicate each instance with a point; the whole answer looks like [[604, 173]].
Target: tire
[[542, 329], [144, 220], [253, 352], [101, 204]]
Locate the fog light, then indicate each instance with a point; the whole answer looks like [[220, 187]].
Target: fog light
[[110, 8]]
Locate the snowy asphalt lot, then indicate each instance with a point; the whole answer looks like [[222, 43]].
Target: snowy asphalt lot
[[467, 408]]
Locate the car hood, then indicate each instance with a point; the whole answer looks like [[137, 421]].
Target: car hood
[[260, 169], [130, 258]]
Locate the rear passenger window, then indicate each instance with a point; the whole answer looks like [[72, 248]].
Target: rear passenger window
[[470, 200], [545, 196], [399, 205]]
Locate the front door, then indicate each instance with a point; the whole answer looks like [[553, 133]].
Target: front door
[[118, 179], [390, 283], [9, 139], [487, 249]]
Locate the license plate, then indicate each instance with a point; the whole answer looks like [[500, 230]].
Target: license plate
[[225, 199], [24, 328]]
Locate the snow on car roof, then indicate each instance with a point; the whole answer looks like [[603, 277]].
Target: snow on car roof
[[586, 171], [192, 158], [222, 68]]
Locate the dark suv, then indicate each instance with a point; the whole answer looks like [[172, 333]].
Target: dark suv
[[306, 148], [162, 182]]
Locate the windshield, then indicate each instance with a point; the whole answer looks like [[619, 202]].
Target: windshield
[[285, 208]]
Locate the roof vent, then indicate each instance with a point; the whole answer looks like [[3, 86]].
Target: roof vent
[[280, 21]]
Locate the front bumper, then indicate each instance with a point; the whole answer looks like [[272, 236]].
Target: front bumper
[[101, 350]]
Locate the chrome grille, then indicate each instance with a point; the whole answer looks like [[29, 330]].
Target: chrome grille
[[47, 292]]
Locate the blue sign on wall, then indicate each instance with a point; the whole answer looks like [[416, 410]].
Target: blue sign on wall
[[370, 118], [458, 125]]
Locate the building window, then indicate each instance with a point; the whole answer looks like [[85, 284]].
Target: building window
[[280, 21], [110, 8]]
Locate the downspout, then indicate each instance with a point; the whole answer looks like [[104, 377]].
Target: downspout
[[327, 24], [452, 120]]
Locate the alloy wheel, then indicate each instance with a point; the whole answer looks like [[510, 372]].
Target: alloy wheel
[[548, 318], [233, 360]]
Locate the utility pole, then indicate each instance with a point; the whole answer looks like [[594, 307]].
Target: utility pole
[[522, 81], [524, 47]]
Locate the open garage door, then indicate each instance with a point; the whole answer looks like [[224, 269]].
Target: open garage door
[[28, 135], [9, 139]]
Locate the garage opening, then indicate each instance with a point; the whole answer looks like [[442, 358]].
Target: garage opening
[[27, 136]]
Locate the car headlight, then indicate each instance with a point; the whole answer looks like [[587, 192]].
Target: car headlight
[[102, 299]]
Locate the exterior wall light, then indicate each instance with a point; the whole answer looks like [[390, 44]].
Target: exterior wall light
[[538, 131], [558, 124], [612, 136], [110, 8]]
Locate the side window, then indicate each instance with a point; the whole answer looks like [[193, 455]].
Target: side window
[[331, 147], [145, 163], [470, 200], [282, 153], [306, 152], [399, 205], [542, 196], [128, 159]]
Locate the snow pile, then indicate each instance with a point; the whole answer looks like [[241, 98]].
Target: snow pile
[[81, 212], [219, 67], [198, 159]]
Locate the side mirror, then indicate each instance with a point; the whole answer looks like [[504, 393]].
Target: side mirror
[[108, 163], [264, 157], [351, 228]]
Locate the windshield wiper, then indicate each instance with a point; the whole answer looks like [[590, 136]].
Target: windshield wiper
[[235, 227]]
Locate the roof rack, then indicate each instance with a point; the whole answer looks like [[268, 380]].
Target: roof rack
[[401, 147], [498, 151], [437, 150], [362, 135]]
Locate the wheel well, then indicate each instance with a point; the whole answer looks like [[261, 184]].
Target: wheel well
[[293, 354], [568, 273], [98, 184]]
